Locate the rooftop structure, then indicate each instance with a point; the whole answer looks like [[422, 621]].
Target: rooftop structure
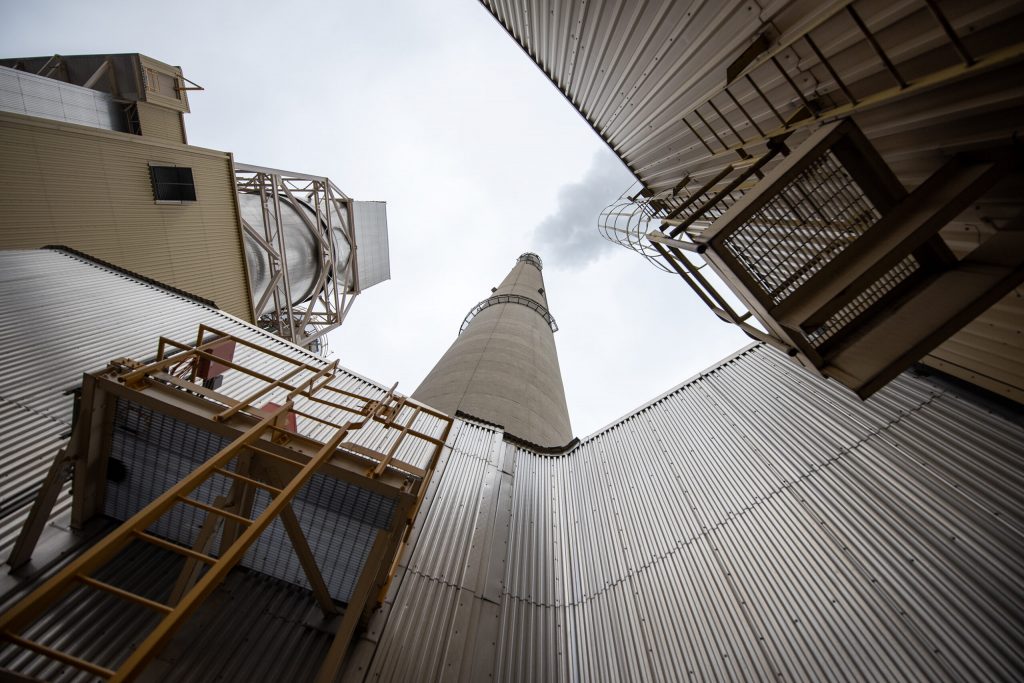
[[96, 153]]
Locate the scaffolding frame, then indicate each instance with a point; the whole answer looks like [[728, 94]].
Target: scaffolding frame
[[268, 453]]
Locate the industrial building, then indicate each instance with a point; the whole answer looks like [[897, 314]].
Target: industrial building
[[96, 159], [191, 496]]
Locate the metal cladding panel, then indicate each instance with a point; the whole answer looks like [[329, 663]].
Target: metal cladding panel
[[373, 258], [87, 315], [752, 523], [161, 123], [276, 646], [634, 70], [32, 95], [91, 190], [988, 352]]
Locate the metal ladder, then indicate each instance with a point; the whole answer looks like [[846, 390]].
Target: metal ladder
[[80, 571]]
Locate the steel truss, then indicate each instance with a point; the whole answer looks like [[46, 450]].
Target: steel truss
[[337, 285]]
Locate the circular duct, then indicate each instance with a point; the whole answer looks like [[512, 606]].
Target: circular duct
[[302, 253]]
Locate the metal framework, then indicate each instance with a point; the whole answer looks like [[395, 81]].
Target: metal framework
[[509, 299], [267, 453], [748, 129], [337, 285], [531, 258], [745, 126], [843, 267]]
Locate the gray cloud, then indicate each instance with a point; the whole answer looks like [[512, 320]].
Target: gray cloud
[[569, 236]]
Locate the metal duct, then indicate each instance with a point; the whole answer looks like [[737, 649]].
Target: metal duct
[[302, 252]]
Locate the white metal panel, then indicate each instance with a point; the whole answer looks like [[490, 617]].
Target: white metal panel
[[372, 256], [26, 93]]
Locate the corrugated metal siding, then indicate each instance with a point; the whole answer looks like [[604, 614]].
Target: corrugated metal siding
[[161, 123], [374, 256], [754, 523], [86, 315], [91, 190], [636, 70], [251, 629], [989, 351], [32, 95]]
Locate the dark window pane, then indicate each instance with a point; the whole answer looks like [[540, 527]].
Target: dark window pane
[[164, 174], [173, 183]]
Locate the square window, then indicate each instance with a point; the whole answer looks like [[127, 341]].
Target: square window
[[173, 183]]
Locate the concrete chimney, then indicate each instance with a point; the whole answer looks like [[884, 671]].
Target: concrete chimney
[[503, 366]]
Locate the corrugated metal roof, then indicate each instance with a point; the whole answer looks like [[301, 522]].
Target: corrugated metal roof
[[755, 522], [277, 646]]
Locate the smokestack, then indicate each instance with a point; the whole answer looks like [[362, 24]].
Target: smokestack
[[503, 366]]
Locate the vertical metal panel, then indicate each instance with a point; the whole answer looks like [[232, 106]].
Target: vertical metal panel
[[32, 95], [277, 644], [373, 258]]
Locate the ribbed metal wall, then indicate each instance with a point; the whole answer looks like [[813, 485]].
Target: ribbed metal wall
[[374, 259], [48, 98], [753, 523], [278, 644], [161, 123]]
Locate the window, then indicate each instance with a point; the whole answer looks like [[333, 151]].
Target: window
[[173, 183]]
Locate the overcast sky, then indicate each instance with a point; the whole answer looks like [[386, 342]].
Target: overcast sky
[[433, 108]]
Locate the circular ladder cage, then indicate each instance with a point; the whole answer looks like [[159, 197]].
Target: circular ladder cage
[[626, 222]]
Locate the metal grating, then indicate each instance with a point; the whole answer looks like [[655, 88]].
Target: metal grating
[[863, 301], [154, 451], [799, 230]]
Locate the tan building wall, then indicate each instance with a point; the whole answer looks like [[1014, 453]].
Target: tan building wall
[[989, 351], [90, 189], [163, 124]]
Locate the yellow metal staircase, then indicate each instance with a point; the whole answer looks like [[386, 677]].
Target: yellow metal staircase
[[255, 460]]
